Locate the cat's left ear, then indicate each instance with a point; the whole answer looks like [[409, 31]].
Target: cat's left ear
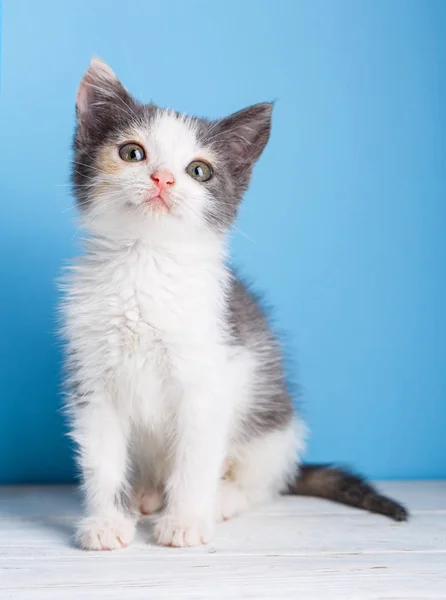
[[245, 134]]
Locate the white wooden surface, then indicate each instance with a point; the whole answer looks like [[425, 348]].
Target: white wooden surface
[[298, 548]]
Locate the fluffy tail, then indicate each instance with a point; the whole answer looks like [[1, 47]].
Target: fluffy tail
[[339, 485]]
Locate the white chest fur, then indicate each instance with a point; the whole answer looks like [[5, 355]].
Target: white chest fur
[[133, 311]]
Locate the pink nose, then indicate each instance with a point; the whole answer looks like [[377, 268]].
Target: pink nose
[[163, 179]]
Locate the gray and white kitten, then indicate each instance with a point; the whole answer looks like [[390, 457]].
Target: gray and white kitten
[[178, 399]]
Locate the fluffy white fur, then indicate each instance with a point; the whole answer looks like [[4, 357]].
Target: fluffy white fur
[[162, 385]]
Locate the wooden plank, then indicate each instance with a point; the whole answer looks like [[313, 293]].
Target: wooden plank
[[112, 576]]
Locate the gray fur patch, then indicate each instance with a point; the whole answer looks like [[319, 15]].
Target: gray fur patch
[[238, 140], [111, 110], [272, 407]]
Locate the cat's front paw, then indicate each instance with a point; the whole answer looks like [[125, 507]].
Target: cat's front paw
[[105, 533], [179, 531]]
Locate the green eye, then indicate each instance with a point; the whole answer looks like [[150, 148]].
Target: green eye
[[199, 170], [132, 152]]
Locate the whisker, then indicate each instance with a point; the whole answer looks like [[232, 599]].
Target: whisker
[[78, 204], [77, 162]]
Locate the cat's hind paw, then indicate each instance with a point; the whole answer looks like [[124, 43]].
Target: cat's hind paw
[[149, 501], [231, 501]]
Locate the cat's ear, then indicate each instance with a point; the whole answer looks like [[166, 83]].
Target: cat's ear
[[246, 133], [99, 92]]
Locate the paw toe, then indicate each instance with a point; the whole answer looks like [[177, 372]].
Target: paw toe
[[180, 532]]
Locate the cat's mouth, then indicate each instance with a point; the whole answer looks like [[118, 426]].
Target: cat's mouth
[[158, 201]]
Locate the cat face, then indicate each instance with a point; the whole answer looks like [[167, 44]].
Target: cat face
[[139, 165]]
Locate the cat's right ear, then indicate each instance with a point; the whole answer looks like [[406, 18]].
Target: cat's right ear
[[99, 92]]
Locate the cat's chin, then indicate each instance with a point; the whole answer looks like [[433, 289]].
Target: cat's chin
[[157, 204]]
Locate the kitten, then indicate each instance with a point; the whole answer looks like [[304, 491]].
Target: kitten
[[177, 394]]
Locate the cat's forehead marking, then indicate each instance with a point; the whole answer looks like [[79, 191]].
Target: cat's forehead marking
[[170, 129], [170, 139]]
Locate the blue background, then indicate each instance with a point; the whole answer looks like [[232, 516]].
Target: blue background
[[346, 214]]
